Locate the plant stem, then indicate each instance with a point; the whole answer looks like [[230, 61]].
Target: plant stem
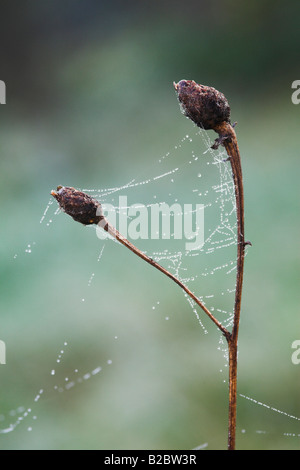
[[117, 235], [208, 109], [228, 138], [87, 211]]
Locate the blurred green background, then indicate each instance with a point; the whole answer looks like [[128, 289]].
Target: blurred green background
[[90, 103]]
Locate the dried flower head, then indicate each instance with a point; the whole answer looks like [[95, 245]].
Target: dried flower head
[[80, 206], [204, 105]]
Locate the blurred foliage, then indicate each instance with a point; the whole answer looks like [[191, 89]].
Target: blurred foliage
[[90, 102]]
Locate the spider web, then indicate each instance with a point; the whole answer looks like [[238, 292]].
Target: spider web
[[186, 175], [217, 256]]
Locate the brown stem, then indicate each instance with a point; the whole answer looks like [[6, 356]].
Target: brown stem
[[209, 109], [87, 211], [117, 235], [229, 140]]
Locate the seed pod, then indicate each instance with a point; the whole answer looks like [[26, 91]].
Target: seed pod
[[80, 206], [204, 105]]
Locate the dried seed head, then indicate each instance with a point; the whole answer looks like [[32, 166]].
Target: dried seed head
[[204, 105], [79, 205]]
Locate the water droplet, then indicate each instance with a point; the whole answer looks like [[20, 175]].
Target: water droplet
[[96, 371]]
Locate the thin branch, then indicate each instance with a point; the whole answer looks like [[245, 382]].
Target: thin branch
[[113, 232], [208, 109], [88, 211]]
